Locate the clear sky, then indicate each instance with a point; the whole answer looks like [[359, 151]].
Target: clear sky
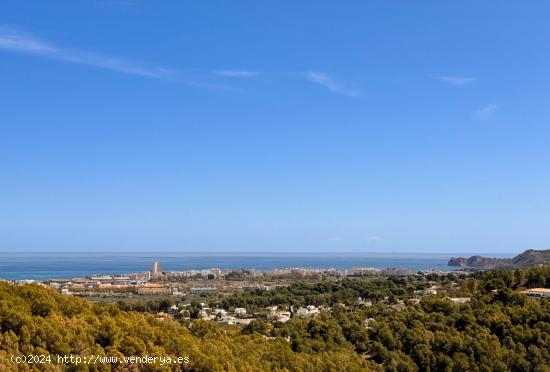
[[418, 126]]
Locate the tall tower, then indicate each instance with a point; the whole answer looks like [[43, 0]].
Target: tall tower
[[155, 269]]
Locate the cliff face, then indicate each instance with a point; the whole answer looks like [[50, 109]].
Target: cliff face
[[530, 257]]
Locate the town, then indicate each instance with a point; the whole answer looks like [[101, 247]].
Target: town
[[197, 293], [203, 294], [213, 280], [305, 310]]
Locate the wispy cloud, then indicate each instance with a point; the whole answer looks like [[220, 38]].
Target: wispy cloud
[[487, 111], [13, 40], [330, 83], [237, 73], [453, 80], [16, 41]]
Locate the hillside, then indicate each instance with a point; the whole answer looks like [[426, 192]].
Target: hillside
[[532, 257], [39, 321], [528, 258], [479, 261], [496, 329]]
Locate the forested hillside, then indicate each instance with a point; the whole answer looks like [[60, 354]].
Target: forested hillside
[[38, 321], [496, 331]]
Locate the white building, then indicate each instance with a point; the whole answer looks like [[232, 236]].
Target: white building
[[229, 320], [240, 311], [368, 321], [280, 316], [459, 300], [283, 316], [429, 292], [155, 268], [537, 292], [307, 311], [220, 312]]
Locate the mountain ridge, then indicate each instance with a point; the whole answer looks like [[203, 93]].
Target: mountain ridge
[[530, 257]]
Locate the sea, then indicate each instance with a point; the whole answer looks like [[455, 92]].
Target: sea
[[42, 265]]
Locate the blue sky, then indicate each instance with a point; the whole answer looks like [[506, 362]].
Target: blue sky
[[312, 126]]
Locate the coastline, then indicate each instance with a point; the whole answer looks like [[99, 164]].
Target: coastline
[[42, 266]]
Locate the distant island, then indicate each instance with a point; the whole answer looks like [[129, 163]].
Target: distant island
[[530, 257]]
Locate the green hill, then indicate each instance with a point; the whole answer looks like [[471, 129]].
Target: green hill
[[532, 257], [497, 329], [38, 321], [528, 258]]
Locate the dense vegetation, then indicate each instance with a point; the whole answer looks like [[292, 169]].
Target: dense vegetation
[[326, 292], [499, 330], [515, 279], [36, 320]]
